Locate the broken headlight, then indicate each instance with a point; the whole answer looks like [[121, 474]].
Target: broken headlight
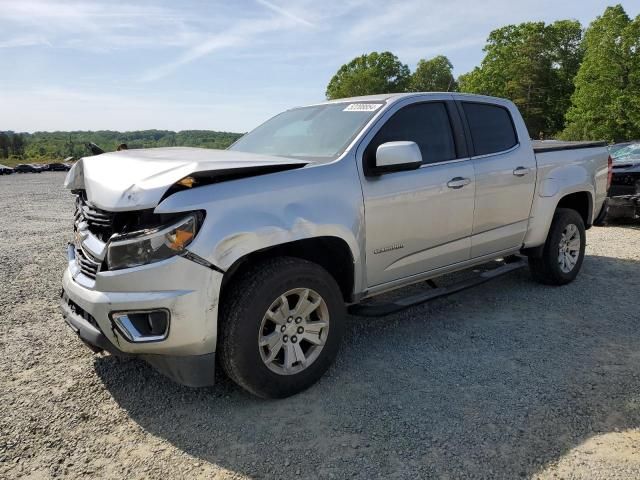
[[152, 245]]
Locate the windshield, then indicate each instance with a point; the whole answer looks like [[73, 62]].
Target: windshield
[[321, 132]]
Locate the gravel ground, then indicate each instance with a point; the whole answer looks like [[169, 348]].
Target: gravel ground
[[511, 379]]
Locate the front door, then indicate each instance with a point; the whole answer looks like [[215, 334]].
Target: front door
[[417, 220]]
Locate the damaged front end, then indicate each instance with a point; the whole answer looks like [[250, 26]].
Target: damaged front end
[[141, 179], [133, 285], [624, 193]]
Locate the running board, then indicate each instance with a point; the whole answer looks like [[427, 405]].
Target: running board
[[381, 309]]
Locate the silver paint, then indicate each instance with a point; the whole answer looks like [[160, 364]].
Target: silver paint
[[447, 216]]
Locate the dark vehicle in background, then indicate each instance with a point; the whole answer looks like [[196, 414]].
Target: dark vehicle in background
[[624, 193], [58, 167], [27, 168], [4, 170]]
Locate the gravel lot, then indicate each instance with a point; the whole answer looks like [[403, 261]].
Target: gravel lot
[[511, 379]]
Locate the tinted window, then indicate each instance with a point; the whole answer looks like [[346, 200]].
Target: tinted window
[[427, 124], [491, 128]]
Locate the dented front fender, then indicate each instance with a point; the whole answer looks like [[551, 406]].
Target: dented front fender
[[251, 214]]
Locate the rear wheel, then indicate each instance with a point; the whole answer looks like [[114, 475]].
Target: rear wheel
[[281, 326], [563, 251]]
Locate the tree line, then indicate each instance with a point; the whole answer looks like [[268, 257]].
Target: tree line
[[568, 82], [11, 145], [50, 146]]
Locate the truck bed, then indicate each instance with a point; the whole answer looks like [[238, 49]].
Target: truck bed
[[543, 146]]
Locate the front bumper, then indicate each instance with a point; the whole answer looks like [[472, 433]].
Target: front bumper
[[189, 291], [624, 206], [624, 193]]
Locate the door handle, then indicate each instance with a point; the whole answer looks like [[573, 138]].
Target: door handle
[[520, 171], [458, 182]]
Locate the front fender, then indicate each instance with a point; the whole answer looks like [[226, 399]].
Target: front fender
[[251, 214], [265, 235]]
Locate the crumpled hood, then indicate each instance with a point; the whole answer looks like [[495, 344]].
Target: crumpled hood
[[138, 179]]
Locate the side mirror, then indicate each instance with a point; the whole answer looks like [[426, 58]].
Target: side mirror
[[397, 156]]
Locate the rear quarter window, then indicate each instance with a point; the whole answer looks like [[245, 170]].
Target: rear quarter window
[[491, 126]]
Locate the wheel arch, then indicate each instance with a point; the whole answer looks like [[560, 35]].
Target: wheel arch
[[331, 253], [579, 199], [581, 202]]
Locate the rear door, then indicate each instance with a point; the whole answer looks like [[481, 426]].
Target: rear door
[[418, 220], [505, 173]]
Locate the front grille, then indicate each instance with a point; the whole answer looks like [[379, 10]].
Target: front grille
[[87, 264], [96, 217], [97, 220], [104, 224], [101, 225]]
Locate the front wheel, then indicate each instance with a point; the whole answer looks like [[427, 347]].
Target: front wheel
[[281, 326], [563, 251]]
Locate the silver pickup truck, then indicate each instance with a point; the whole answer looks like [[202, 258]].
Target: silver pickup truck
[[252, 255]]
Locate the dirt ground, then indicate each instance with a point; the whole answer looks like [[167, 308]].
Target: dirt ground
[[508, 380]]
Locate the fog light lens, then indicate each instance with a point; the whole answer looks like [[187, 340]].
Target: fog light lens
[[142, 326]]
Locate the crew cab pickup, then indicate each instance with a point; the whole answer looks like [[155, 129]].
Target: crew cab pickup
[[251, 255]]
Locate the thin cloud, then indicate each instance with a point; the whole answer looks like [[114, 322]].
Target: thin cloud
[[206, 47], [233, 37], [97, 25], [242, 34], [285, 13], [25, 41]]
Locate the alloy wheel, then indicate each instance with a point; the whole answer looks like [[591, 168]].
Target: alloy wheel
[[293, 331], [569, 248]]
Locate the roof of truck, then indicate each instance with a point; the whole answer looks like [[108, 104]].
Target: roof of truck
[[385, 97], [371, 98]]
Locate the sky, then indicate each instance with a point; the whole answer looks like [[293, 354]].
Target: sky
[[223, 65]]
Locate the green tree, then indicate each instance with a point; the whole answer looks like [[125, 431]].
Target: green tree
[[605, 101], [564, 39], [434, 75], [369, 74], [471, 82], [5, 143], [533, 64], [52, 146], [70, 146], [17, 145], [631, 96]]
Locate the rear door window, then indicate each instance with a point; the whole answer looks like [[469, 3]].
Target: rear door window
[[492, 129]]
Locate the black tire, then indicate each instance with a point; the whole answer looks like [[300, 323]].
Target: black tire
[[547, 269], [243, 309]]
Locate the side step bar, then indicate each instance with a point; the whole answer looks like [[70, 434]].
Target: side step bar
[[381, 309]]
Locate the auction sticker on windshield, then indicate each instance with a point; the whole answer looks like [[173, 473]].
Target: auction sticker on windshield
[[362, 107]]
